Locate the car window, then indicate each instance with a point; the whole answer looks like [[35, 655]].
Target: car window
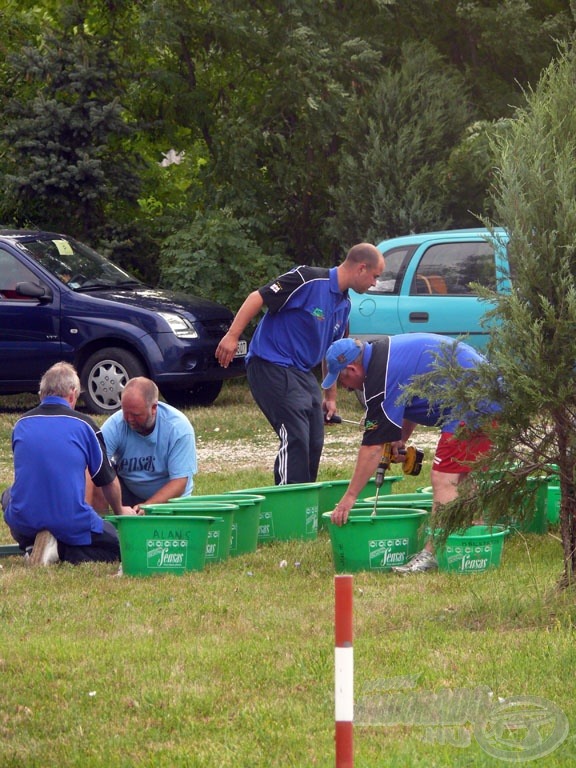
[[13, 272], [395, 262], [75, 264], [450, 268]]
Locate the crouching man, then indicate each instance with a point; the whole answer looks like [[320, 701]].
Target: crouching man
[[55, 448], [383, 369]]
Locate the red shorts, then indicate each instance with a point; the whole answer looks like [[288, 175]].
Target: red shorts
[[453, 455]]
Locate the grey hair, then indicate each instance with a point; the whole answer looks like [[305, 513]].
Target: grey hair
[[59, 380]]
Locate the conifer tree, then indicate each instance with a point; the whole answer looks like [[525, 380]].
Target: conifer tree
[[531, 355]]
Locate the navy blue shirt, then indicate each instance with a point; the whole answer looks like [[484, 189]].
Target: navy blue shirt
[[53, 445], [306, 312]]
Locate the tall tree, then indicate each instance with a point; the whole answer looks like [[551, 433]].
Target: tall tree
[[395, 148], [67, 130]]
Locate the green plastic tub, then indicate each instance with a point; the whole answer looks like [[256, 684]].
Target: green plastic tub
[[376, 543], [220, 534], [475, 550], [10, 550], [244, 539], [553, 500], [416, 500], [528, 510], [287, 512], [331, 491], [159, 544], [536, 520], [419, 497]]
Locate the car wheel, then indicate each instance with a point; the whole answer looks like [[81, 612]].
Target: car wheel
[[104, 376], [199, 395]]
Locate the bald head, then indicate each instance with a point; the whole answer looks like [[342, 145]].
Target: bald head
[[364, 253], [139, 404], [361, 268]]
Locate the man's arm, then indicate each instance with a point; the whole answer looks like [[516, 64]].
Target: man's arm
[[173, 489], [113, 496], [329, 400], [366, 465], [228, 345]]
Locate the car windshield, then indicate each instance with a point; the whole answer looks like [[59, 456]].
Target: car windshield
[[77, 265]]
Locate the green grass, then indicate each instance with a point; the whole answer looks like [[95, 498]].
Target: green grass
[[234, 666]]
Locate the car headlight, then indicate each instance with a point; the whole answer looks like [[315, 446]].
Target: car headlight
[[179, 325]]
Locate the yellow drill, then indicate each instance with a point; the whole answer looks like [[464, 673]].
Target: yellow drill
[[411, 459]]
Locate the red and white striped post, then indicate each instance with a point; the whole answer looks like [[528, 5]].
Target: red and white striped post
[[343, 672]]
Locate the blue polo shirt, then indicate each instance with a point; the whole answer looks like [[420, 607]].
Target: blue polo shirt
[[392, 364], [306, 312], [53, 445]]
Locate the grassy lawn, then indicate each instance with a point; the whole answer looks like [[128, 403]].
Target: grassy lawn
[[234, 666]]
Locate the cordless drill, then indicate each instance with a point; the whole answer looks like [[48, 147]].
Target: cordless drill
[[411, 459]]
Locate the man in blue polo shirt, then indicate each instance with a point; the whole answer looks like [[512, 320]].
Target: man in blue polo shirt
[[54, 447], [308, 309], [383, 369]]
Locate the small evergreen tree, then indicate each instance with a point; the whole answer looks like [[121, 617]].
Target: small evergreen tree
[[532, 350]]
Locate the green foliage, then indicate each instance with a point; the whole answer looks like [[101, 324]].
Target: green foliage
[[67, 133], [217, 257], [393, 160], [318, 121]]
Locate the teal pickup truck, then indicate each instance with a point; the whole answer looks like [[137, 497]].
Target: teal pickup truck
[[427, 285]]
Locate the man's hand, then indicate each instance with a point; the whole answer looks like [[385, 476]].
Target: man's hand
[[329, 408], [226, 349], [128, 511], [340, 512]]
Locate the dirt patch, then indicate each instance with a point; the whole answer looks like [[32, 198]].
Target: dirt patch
[[259, 452]]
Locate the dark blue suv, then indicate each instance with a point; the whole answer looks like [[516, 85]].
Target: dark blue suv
[[60, 300]]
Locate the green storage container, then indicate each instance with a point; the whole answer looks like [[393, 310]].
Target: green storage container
[[288, 511], [160, 544], [220, 534], [553, 500], [376, 543], [475, 550], [246, 519], [331, 491]]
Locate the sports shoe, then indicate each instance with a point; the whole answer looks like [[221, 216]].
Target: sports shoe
[[423, 561], [45, 550]]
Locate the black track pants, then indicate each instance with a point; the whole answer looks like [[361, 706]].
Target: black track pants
[[292, 403]]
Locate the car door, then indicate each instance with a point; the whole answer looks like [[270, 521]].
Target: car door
[[29, 327], [438, 294]]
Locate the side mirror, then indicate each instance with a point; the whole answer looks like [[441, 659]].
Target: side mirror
[[34, 291]]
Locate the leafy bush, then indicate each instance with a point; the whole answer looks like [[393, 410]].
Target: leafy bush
[[217, 256]]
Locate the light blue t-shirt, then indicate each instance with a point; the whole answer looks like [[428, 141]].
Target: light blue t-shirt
[[145, 463]]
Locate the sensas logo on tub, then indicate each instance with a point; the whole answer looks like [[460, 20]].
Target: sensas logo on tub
[[384, 553], [166, 553]]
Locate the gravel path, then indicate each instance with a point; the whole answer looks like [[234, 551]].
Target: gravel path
[[260, 451]]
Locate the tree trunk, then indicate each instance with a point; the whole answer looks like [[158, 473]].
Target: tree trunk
[[566, 464]]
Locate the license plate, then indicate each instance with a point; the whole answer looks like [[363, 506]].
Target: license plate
[[242, 349]]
